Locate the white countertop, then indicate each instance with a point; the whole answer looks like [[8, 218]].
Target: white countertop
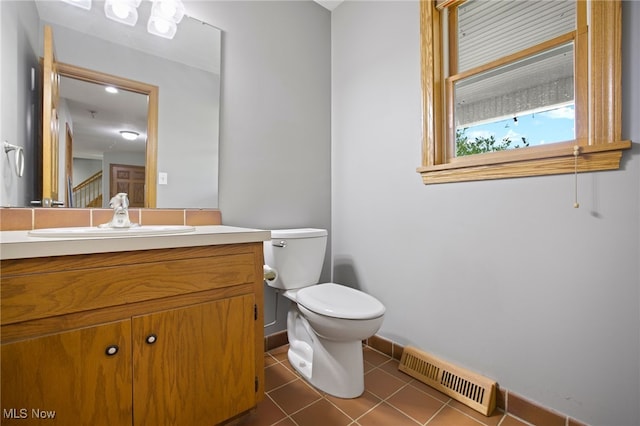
[[20, 245]]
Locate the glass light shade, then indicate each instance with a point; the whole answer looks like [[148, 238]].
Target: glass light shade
[[123, 11], [161, 27], [129, 135], [83, 4], [172, 10]]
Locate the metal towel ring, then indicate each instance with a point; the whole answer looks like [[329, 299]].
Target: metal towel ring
[[19, 157]]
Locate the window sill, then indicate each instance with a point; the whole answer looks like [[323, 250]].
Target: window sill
[[535, 161]]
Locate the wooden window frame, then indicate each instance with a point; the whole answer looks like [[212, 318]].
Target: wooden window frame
[[598, 105]]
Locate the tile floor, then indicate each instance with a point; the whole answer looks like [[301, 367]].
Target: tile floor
[[391, 398]]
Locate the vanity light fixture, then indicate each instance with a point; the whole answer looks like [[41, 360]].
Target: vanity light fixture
[[123, 11], [165, 15], [168, 9], [161, 27], [84, 4], [129, 135]]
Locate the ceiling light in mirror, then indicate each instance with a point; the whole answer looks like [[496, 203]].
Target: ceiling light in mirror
[[84, 4], [111, 89], [123, 11], [129, 135]]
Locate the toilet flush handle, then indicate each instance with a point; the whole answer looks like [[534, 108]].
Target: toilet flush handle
[[280, 243]]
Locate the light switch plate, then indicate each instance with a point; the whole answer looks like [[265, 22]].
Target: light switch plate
[[162, 178]]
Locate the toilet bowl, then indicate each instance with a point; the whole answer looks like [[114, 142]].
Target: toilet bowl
[[326, 322]]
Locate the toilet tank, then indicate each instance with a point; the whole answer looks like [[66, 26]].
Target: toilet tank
[[297, 256]]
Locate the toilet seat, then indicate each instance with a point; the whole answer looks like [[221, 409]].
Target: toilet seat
[[338, 301]]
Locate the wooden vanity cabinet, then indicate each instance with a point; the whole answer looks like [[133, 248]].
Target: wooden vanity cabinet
[[171, 337], [60, 377], [194, 365]]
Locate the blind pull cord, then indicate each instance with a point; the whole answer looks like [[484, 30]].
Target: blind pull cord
[[576, 153]]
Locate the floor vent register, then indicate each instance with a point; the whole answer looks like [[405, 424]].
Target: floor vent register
[[465, 386]]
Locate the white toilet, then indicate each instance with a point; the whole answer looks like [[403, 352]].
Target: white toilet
[[327, 322]]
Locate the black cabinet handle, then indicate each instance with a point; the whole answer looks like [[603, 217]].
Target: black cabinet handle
[[111, 350], [151, 339]]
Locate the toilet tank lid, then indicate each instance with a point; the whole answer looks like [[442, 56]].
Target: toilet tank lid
[[298, 233]]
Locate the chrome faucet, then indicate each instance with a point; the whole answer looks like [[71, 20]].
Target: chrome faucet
[[120, 205]]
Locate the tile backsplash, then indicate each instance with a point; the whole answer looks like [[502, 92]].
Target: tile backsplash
[[24, 219]]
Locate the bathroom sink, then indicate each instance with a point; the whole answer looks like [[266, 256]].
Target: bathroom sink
[[94, 231]]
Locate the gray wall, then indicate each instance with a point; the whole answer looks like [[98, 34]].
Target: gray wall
[[503, 277], [275, 126], [84, 168], [19, 99]]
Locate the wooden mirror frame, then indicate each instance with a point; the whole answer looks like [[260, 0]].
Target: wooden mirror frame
[[151, 152]]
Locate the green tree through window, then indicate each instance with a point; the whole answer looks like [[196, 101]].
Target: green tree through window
[[480, 145]]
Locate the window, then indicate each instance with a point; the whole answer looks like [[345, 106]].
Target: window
[[494, 71]]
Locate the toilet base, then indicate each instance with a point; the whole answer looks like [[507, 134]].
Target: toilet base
[[336, 368]]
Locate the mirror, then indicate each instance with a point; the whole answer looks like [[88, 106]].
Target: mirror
[[188, 85]]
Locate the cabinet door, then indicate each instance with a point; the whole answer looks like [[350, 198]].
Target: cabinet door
[[70, 378], [194, 365]]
